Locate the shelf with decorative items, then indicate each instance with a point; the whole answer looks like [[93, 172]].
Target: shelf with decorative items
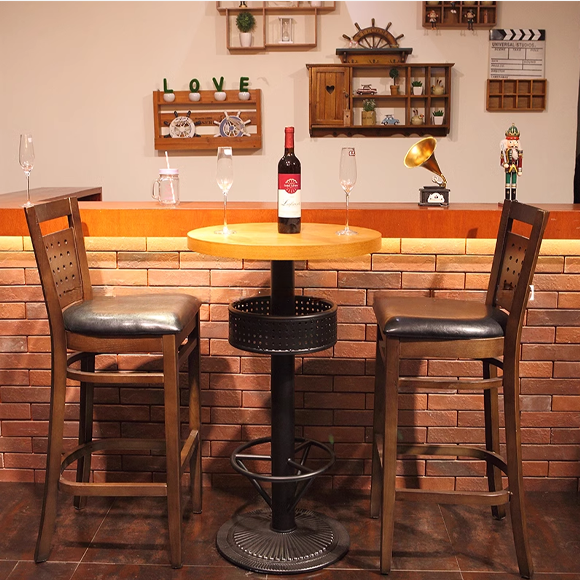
[[406, 96], [276, 25], [466, 14], [524, 95], [197, 120]]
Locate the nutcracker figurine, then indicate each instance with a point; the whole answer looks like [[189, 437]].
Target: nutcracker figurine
[[511, 158]]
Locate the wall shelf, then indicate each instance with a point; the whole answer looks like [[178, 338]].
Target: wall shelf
[[265, 35], [206, 114], [335, 106], [485, 14], [523, 95]]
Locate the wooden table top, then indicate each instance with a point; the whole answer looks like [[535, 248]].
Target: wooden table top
[[261, 241]]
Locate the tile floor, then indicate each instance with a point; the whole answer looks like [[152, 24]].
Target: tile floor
[[127, 539]]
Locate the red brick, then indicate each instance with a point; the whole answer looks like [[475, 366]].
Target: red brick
[[551, 452], [535, 369], [220, 364], [433, 280], [315, 383], [538, 334], [24, 327], [463, 468], [428, 418], [413, 401], [567, 352], [456, 401], [403, 263], [236, 416], [221, 398], [465, 263], [336, 433], [352, 332], [21, 294], [454, 368], [240, 382], [332, 367], [560, 317], [471, 295], [334, 400], [557, 282], [14, 411], [314, 417], [11, 276], [565, 403], [17, 475], [551, 484], [236, 278], [457, 435], [24, 461], [312, 279], [12, 310], [367, 280], [15, 444], [351, 417], [568, 335], [564, 469], [221, 432], [550, 386], [13, 344], [356, 315], [24, 361], [344, 349], [340, 296], [432, 483], [565, 436], [535, 468], [567, 370], [568, 300]]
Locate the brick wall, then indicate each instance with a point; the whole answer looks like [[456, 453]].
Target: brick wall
[[334, 388]]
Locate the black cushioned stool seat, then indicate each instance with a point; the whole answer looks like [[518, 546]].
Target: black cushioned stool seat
[[132, 315], [438, 318]]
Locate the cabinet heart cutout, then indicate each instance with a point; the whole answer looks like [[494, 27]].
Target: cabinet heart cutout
[[330, 89]]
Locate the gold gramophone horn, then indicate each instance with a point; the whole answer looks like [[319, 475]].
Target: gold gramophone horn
[[422, 154]]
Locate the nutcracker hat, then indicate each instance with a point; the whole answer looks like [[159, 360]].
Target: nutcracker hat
[[512, 132]]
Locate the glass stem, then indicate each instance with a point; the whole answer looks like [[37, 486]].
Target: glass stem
[[28, 187], [347, 228], [225, 208]]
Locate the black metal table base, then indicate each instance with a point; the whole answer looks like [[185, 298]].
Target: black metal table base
[[248, 541]]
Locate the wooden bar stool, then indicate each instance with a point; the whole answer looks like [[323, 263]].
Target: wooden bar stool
[[83, 326], [431, 328]]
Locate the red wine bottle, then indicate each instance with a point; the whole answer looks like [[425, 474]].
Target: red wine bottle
[[289, 184]]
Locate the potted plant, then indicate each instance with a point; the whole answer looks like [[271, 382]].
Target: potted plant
[[245, 22], [417, 87], [394, 74], [369, 114], [438, 88], [438, 117]]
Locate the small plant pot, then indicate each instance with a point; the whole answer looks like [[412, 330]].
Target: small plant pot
[[194, 97], [437, 120], [169, 97], [244, 96], [417, 90], [245, 39], [369, 117], [394, 89], [220, 95]]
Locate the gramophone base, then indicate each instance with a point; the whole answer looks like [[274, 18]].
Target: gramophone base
[[434, 195]]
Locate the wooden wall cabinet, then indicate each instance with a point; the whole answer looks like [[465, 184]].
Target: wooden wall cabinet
[[266, 33], [336, 105], [524, 95], [207, 113], [454, 14]]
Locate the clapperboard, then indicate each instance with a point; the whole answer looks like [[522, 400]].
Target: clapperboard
[[517, 53]]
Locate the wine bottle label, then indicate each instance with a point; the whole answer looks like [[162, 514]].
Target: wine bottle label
[[289, 195]]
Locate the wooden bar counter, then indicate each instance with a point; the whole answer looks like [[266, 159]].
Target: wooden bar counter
[[142, 247]]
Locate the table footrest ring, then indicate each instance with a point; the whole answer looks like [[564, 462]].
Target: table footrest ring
[[312, 327]]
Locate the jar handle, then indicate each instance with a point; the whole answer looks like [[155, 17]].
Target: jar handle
[[156, 182]]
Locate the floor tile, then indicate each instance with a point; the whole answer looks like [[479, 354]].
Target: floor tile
[[6, 566], [20, 518], [44, 571]]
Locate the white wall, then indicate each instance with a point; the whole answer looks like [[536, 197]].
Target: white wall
[[80, 75]]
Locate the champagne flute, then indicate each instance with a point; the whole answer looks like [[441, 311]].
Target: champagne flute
[[26, 159], [225, 178], [347, 176]]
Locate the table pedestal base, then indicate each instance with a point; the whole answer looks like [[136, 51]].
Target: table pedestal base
[[248, 541]]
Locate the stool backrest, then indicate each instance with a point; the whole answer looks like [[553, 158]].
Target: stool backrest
[[514, 261], [59, 248]]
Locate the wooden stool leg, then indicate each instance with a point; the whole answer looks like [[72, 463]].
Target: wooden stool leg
[[389, 452], [54, 454], [378, 426], [491, 410], [194, 381], [172, 441], [85, 428], [514, 464]]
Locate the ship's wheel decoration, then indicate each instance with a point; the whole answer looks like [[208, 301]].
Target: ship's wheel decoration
[[232, 126], [181, 127], [374, 37]]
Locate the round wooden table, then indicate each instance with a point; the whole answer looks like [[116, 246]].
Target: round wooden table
[[285, 539]]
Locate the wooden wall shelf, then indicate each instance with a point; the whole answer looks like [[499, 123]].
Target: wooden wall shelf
[[206, 113], [524, 95], [335, 105], [265, 34], [485, 14]]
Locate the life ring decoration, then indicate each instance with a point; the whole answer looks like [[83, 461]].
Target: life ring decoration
[[232, 126]]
